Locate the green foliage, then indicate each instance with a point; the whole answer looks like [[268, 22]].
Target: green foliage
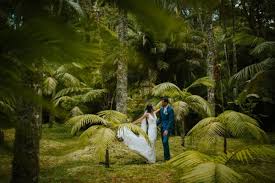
[[102, 137], [184, 101], [200, 167], [228, 124], [84, 120]]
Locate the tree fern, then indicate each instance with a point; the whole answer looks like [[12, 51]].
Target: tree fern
[[92, 95], [251, 70], [114, 116], [102, 137], [82, 121], [68, 79], [251, 153], [7, 106], [267, 47], [211, 172], [76, 111], [167, 89], [199, 105], [189, 159], [181, 109], [205, 81], [71, 90], [49, 86], [227, 124]]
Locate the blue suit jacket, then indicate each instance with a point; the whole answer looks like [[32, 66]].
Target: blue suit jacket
[[166, 119]]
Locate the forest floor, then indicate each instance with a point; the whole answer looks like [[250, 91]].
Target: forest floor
[[64, 159]]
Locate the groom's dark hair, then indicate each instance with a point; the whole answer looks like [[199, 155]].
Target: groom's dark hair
[[165, 99]]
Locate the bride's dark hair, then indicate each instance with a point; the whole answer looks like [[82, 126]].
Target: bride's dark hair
[[149, 108]]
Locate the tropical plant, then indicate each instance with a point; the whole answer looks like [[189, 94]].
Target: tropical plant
[[200, 167], [184, 101], [228, 124], [102, 129], [67, 91]]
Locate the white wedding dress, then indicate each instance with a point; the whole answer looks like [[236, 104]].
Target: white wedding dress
[[139, 143]]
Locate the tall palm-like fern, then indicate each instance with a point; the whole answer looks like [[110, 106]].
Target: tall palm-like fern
[[184, 100], [228, 124], [102, 129], [67, 91]]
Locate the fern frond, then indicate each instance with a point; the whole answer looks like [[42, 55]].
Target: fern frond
[[265, 47], [63, 99], [5, 107], [112, 115], [76, 111], [189, 159], [251, 70], [200, 105], [211, 172], [167, 89], [210, 128], [92, 95], [205, 81], [102, 137], [181, 109], [76, 6], [241, 125], [252, 153], [82, 121], [71, 90], [68, 79], [49, 86]]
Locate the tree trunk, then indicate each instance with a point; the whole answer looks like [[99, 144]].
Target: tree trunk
[[51, 119], [107, 159], [183, 132], [60, 7], [212, 69], [2, 137], [25, 165], [225, 145], [122, 67], [235, 61]]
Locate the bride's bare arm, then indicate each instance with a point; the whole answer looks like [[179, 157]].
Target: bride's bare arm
[[156, 111], [140, 119]]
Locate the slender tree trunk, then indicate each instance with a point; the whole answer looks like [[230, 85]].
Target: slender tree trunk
[[225, 145], [183, 132], [107, 159], [235, 61], [2, 137], [212, 69], [51, 119], [200, 20], [60, 7], [122, 66], [25, 165]]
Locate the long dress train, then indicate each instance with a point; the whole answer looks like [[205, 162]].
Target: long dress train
[[139, 143]]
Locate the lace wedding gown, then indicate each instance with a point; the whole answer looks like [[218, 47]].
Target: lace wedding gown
[[139, 143]]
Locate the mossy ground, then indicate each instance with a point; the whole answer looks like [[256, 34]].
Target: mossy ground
[[64, 159]]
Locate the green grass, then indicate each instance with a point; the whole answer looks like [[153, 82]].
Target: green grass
[[64, 159]]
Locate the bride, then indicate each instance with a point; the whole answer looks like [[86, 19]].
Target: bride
[[139, 143]]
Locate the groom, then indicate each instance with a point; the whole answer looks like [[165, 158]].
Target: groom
[[166, 120]]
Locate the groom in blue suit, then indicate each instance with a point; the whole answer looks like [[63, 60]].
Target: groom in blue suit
[[167, 121]]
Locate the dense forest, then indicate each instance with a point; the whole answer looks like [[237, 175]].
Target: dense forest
[[75, 73]]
